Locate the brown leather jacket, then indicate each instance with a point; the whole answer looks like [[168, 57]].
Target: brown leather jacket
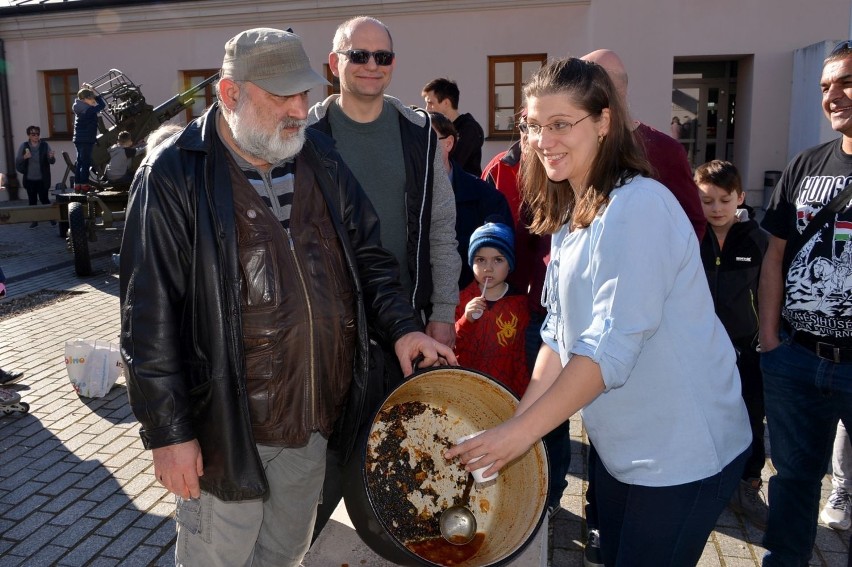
[[298, 313]]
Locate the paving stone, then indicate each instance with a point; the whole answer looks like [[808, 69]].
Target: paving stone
[[26, 507], [143, 556], [79, 530], [73, 513], [63, 500], [83, 553], [27, 526], [122, 545], [120, 522], [41, 538]]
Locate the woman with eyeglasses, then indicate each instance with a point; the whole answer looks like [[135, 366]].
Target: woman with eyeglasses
[[33, 161], [631, 337]]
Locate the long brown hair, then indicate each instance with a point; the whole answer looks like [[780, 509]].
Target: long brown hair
[[620, 156]]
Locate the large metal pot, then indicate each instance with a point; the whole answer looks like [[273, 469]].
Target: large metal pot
[[398, 482]]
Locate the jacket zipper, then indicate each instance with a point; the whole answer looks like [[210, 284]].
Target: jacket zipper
[[311, 389]]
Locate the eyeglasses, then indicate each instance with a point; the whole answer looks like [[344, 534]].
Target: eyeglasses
[[362, 56], [34, 133], [558, 127], [842, 46]]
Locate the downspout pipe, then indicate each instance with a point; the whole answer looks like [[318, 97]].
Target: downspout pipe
[[6, 118]]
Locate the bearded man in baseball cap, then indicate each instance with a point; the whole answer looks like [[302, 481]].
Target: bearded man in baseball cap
[[251, 269]]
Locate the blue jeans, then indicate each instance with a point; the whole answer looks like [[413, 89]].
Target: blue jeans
[[661, 526], [805, 397], [84, 162]]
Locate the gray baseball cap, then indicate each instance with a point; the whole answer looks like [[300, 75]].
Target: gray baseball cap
[[274, 60]]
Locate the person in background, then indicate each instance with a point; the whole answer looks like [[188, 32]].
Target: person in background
[[393, 152], [670, 167], [677, 128], [623, 290], [837, 512], [251, 269], [476, 200], [161, 134], [86, 109], [732, 251], [442, 95], [667, 157], [805, 302], [33, 161], [120, 156], [492, 314]]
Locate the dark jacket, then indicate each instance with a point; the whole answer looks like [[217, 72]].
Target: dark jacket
[[419, 146], [181, 332], [44, 160], [86, 120], [733, 274], [468, 148], [476, 201]]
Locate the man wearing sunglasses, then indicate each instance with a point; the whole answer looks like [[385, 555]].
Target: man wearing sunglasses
[[394, 154], [805, 304]]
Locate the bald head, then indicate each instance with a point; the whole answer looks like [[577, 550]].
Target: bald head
[[611, 62], [343, 35]]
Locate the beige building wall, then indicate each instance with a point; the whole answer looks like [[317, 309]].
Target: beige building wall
[[433, 38]]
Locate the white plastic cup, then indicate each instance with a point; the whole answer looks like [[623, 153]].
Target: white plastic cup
[[478, 474]]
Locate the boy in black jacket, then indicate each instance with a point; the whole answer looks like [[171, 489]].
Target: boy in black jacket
[[732, 251]]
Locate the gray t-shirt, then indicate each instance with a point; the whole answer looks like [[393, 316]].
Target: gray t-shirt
[[34, 165], [373, 151]]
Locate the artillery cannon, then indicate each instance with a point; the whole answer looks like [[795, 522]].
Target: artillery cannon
[[81, 215]]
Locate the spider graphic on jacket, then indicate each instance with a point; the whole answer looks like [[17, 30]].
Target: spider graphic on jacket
[[508, 329]]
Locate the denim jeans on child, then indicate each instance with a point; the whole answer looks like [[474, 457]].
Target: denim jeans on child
[[805, 396], [84, 162]]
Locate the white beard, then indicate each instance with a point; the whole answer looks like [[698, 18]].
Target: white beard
[[255, 138]]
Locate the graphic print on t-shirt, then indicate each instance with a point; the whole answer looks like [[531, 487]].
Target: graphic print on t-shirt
[[819, 282]]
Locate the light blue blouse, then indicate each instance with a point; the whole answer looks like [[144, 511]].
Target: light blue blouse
[[630, 292]]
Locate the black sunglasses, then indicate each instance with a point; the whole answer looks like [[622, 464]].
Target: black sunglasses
[[362, 56], [842, 46]]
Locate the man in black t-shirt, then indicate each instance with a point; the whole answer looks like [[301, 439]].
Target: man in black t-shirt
[[806, 324], [442, 95]]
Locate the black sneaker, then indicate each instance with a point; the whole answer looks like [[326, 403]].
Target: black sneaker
[[592, 553], [33, 224], [9, 377]]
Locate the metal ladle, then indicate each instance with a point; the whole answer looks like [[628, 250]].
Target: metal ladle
[[457, 523]]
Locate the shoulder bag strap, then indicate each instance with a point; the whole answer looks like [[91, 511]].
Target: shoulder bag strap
[[820, 219]]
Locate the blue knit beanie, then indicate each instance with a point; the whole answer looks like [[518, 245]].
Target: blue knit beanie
[[494, 235]]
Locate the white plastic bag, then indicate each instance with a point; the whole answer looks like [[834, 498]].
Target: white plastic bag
[[93, 366]]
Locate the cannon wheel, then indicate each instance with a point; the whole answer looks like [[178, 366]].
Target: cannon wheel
[[79, 242]]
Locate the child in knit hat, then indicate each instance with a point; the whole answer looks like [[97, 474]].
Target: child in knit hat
[[492, 315]]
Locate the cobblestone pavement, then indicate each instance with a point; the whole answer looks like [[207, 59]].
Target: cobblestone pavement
[[76, 486]]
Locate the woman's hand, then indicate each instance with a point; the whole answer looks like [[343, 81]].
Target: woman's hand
[[498, 447]]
